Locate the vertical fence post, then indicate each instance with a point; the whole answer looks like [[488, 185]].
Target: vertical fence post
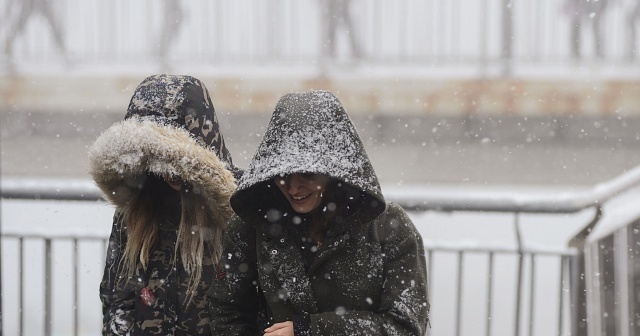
[[76, 285], [519, 277], [577, 276], [429, 269], [1, 320], [578, 296], [563, 263], [47, 288], [621, 283], [459, 293], [20, 284], [532, 291], [489, 293]]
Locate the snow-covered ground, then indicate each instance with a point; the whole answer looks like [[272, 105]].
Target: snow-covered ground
[[476, 230]]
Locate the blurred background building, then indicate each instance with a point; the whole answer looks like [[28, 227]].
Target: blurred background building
[[481, 94]]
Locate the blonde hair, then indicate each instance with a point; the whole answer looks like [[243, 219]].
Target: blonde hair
[[198, 235]]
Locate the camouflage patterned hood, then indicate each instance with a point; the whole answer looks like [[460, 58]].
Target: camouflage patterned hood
[[309, 132], [170, 129]]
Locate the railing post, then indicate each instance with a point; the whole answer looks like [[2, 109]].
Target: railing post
[[563, 263], [76, 286], [47, 288], [532, 293], [21, 284], [519, 278], [577, 279], [429, 269], [1, 320], [459, 294], [578, 296], [489, 294]]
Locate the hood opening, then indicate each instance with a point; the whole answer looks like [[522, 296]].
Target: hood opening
[[256, 204]]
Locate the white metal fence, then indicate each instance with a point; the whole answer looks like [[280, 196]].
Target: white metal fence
[[51, 276], [53, 245]]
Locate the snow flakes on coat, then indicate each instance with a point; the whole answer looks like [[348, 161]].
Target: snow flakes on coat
[[369, 275], [171, 130]]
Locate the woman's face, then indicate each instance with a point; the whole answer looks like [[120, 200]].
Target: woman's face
[[303, 191], [174, 182]]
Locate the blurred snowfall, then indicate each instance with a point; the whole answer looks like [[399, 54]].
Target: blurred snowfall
[[475, 95]]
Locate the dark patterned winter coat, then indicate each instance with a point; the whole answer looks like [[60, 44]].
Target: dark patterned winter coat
[[170, 129], [369, 276]]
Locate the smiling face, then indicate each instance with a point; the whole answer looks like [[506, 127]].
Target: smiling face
[[303, 191]]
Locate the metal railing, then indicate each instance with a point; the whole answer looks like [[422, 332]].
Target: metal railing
[[564, 203], [490, 36], [571, 259], [48, 272], [522, 254]]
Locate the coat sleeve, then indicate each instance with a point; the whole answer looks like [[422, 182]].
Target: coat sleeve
[[118, 299], [233, 294], [404, 305]]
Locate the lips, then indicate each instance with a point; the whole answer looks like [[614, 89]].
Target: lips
[[299, 198]]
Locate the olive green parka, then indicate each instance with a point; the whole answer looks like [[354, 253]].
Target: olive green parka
[[368, 277]]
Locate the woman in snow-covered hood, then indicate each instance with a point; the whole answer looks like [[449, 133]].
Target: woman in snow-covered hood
[[314, 234], [168, 173]]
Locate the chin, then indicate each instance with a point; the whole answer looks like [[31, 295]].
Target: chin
[[301, 210]]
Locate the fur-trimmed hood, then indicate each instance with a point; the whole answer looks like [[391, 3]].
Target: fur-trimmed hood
[[170, 130]]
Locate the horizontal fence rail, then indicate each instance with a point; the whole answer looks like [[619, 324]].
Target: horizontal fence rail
[[410, 199]]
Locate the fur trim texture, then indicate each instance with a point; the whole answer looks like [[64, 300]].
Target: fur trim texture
[[129, 148]]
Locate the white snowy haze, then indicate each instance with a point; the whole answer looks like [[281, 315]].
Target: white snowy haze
[[498, 124]]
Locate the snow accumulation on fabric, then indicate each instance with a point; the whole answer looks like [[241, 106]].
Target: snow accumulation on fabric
[[162, 94], [315, 136]]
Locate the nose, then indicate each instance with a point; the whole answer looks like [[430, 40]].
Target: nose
[[295, 183]]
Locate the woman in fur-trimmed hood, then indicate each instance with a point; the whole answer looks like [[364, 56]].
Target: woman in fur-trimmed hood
[[315, 233], [168, 173]]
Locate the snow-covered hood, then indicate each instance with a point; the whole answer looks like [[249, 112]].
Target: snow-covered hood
[[170, 129], [309, 132]]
